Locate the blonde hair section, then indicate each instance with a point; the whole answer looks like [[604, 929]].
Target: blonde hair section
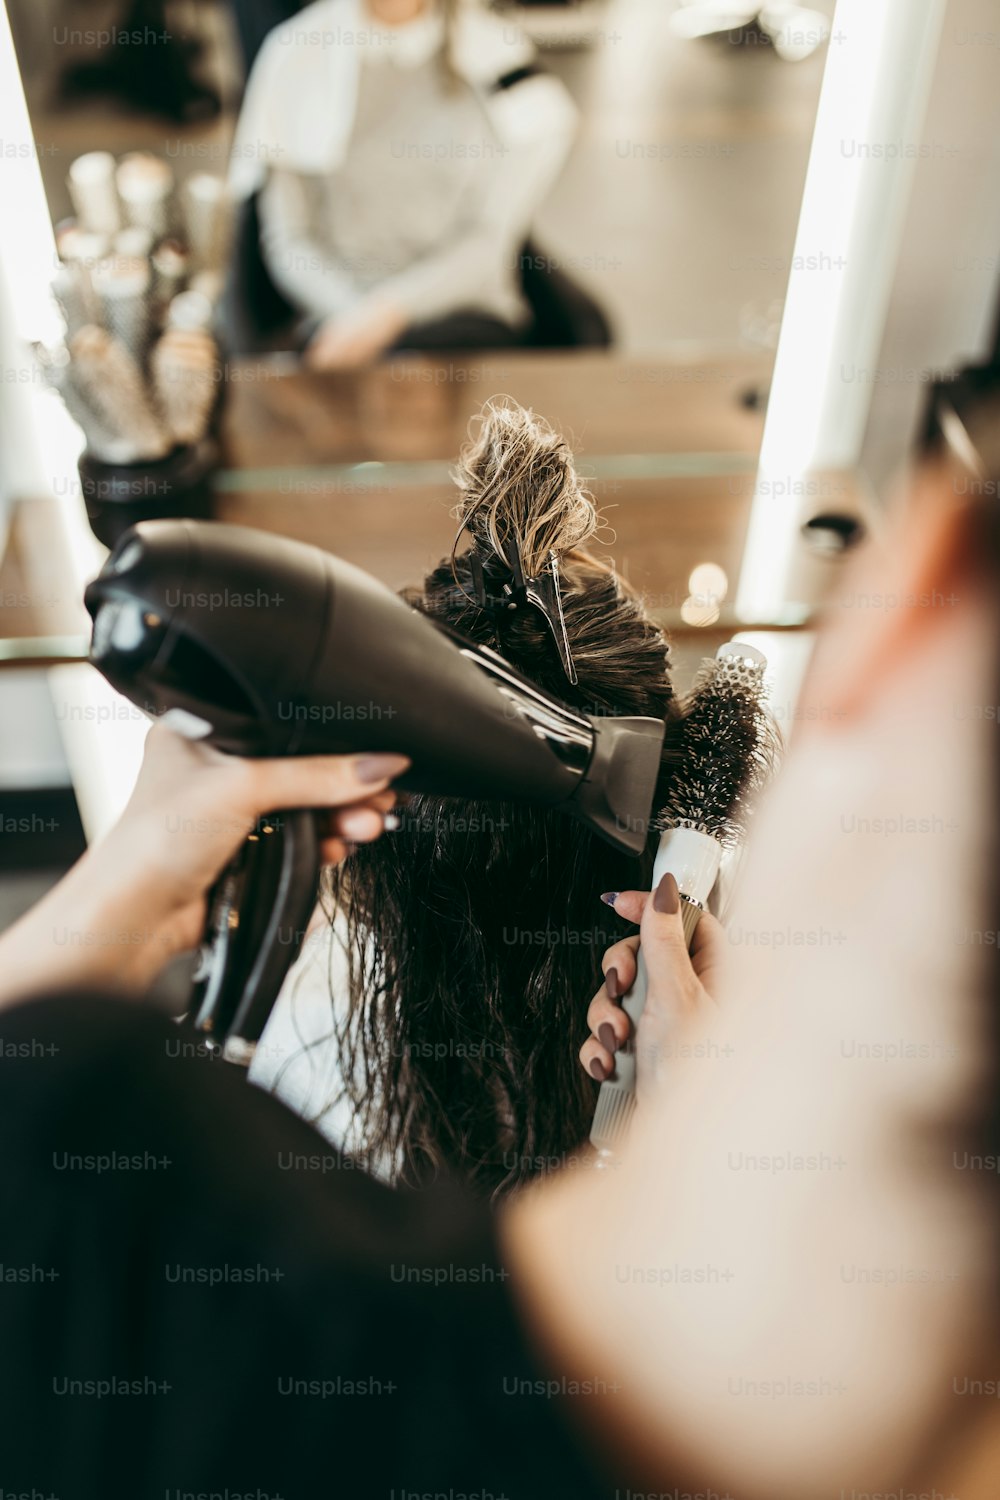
[[518, 480]]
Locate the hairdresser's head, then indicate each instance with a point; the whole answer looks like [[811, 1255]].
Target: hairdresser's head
[[900, 700], [861, 1052], [475, 931]]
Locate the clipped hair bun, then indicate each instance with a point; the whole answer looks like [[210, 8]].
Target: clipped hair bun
[[518, 480]]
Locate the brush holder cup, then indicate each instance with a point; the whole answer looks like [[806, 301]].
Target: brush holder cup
[[117, 496]]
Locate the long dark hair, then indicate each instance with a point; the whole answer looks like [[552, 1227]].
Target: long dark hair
[[474, 934]]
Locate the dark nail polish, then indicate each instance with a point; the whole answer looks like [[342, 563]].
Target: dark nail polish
[[606, 1037], [597, 1069], [372, 768], [612, 984], [609, 898], [667, 898]]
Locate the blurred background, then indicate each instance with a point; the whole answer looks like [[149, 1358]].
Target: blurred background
[[725, 248]]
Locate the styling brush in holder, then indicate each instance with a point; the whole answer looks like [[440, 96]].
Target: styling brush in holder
[[184, 370], [149, 445], [72, 285], [190, 310], [75, 298], [725, 755], [171, 264], [134, 242], [145, 187], [57, 368], [91, 183], [109, 380], [123, 287], [142, 242], [79, 246], [206, 215], [133, 468], [140, 369]]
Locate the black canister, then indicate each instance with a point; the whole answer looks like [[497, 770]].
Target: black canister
[[117, 496]]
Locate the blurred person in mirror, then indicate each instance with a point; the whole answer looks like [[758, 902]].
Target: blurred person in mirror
[[396, 153]]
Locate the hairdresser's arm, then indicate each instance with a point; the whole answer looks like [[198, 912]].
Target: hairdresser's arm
[[137, 897], [787, 1268]]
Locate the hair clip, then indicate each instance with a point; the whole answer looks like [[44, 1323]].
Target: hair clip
[[542, 593]]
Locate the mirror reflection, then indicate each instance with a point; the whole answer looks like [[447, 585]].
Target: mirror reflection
[[323, 236]]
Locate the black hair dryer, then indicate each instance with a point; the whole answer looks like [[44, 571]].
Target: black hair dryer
[[272, 647]]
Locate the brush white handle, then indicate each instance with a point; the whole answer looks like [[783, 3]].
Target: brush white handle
[[693, 859]]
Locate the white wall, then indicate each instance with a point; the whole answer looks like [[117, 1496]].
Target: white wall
[[946, 288]]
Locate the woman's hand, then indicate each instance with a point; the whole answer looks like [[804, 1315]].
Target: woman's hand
[[679, 984], [138, 896], [357, 338]]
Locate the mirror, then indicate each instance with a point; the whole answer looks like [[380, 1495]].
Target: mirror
[[660, 168]]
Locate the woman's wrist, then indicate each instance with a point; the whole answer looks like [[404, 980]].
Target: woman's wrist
[[100, 927], [138, 897]]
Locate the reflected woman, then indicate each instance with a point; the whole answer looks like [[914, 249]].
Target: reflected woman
[[398, 152]]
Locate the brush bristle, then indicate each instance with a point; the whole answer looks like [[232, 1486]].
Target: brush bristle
[[727, 750], [110, 383], [183, 367]]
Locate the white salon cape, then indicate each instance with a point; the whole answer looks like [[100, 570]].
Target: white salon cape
[[374, 176], [298, 1057]]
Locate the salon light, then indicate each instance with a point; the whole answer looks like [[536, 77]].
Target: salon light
[[709, 581], [102, 739], [872, 106], [699, 611], [27, 246]]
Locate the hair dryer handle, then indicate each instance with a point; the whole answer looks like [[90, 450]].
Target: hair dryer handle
[[258, 912]]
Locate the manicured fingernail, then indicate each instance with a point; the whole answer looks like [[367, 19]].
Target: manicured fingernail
[[667, 898], [606, 1037], [380, 767], [391, 822], [597, 1069], [609, 898], [612, 984]]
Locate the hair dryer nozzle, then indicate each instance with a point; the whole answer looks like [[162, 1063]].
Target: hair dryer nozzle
[[616, 794]]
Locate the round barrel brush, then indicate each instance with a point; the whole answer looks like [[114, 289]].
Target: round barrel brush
[[133, 243], [109, 382], [145, 188], [74, 297], [170, 264], [79, 252], [206, 211], [91, 182], [123, 286], [726, 753], [184, 370], [191, 310], [57, 367]]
